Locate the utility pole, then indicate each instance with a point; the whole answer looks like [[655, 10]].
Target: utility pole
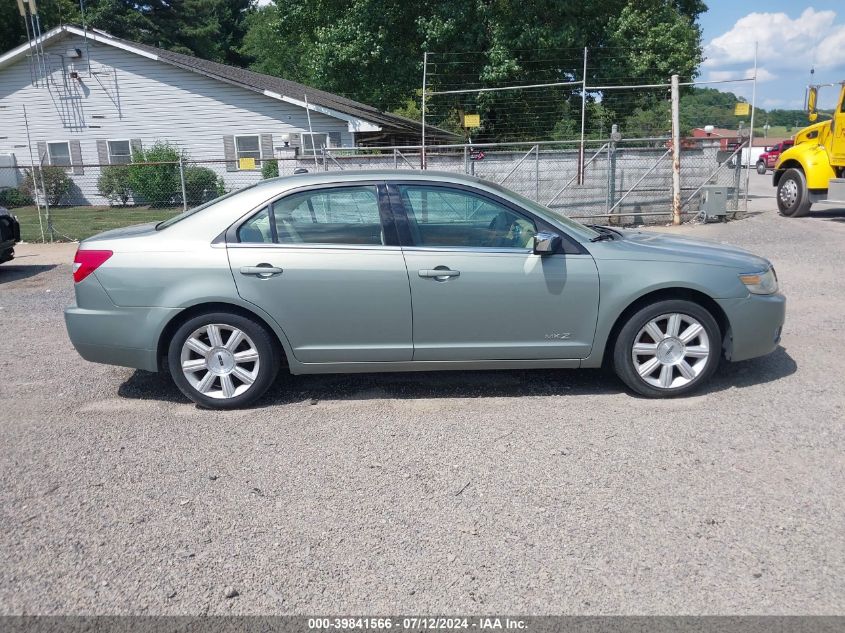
[[583, 120], [425, 72], [676, 150]]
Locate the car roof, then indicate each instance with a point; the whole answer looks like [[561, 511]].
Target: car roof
[[358, 175]]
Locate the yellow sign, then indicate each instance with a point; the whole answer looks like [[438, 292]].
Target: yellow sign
[[742, 109], [472, 120], [246, 163]]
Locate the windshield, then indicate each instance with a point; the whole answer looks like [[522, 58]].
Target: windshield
[[575, 228], [186, 214]]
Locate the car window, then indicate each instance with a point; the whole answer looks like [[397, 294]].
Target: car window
[[257, 229], [443, 216], [342, 215]]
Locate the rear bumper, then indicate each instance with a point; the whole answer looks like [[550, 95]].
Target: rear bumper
[[118, 336], [105, 333], [756, 323]]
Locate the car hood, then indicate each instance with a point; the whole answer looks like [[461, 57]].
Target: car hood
[[648, 246]]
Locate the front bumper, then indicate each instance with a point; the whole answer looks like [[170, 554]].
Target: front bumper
[[756, 323]]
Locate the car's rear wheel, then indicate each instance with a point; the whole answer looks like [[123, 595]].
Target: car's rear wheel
[[761, 167], [222, 361], [668, 348], [793, 197]]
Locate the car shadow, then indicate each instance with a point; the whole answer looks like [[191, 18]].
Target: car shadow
[[288, 389], [10, 272]]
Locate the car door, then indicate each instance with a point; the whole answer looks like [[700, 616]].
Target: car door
[[325, 262], [478, 290]]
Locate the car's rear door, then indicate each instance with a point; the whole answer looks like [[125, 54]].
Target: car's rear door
[[479, 292], [326, 264]]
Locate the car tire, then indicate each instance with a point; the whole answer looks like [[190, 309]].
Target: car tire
[[761, 168], [222, 360], [792, 194], [667, 349]]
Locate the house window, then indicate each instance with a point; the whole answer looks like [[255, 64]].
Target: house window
[[120, 153], [248, 149], [315, 142], [59, 153]]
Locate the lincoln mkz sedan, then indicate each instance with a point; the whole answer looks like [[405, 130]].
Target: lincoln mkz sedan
[[385, 271]]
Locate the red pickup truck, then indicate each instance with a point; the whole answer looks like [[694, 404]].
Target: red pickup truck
[[768, 158]]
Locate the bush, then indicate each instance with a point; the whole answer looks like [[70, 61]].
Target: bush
[[11, 198], [114, 184], [56, 182], [202, 185], [158, 185], [270, 169]]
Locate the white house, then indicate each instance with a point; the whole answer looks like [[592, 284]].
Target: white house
[[85, 99]]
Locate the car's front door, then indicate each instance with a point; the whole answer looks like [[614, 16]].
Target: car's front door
[[326, 264], [478, 290]]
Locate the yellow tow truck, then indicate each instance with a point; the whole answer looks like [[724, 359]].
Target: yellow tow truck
[[813, 170]]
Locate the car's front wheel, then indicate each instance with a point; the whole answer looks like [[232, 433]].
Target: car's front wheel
[[222, 361], [761, 167], [667, 349]]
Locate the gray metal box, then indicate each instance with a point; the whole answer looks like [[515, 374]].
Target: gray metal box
[[714, 202]]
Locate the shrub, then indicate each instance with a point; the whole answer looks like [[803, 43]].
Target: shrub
[[114, 184], [270, 169], [201, 185], [159, 184], [11, 198], [56, 183]]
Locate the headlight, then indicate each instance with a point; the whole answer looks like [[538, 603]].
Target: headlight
[[761, 283]]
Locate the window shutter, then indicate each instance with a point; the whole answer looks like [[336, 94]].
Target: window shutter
[[335, 139], [76, 158], [136, 147], [229, 153], [266, 146], [43, 158], [102, 152]]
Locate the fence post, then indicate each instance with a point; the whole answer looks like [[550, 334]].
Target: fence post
[[466, 159], [537, 174], [676, 151], [581, 148], [182, 179], [395, 159]]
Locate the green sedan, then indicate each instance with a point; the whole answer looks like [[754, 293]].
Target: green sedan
[[382, 271]]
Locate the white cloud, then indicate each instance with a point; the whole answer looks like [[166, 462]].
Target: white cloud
[[813, 38], [726, 75]]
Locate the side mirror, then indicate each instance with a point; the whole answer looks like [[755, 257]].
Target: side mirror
[[812, 100], [546, 243]]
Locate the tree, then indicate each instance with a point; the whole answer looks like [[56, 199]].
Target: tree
[[158, 184], [371, 50], [115, 185]]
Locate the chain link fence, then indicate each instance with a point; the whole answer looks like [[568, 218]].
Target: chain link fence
[[619, 182]]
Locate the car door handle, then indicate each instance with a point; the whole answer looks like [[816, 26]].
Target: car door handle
[[440, 274], [262, 270]]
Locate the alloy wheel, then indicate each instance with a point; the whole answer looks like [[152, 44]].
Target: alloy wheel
[[219, 361], [788, 193], [671, 350]]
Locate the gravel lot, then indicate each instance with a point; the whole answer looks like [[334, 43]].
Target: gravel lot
[[523, 492]]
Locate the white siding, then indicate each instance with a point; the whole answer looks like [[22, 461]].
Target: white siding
[[129, 96]]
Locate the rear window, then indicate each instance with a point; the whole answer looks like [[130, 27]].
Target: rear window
[[186, 214]]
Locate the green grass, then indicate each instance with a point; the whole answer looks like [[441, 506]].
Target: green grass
[[77, 223]]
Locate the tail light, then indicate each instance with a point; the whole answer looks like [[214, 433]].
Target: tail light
[[86, 262]]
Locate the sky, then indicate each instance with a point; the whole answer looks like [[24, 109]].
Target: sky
[[793, 36]]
